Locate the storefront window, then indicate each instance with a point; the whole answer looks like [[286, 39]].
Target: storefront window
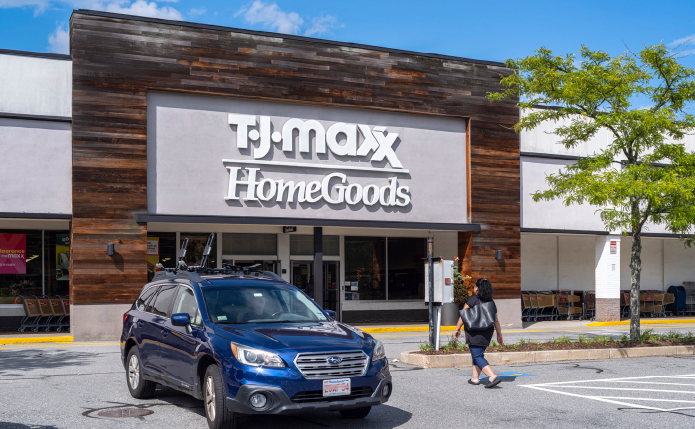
[[249, 244], [304, 245], [406, 273], [162, 249], [57, 262], [20, 264], [196, 245], [365, 268]]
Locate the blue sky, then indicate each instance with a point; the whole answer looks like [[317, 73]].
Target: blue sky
[[475, 29]]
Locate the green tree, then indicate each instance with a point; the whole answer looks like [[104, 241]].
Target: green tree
[[644, 174]]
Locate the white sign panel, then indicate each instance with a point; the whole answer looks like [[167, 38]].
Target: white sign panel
[[236, 157]]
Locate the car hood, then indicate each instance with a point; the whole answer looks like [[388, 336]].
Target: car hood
[[324, 336]]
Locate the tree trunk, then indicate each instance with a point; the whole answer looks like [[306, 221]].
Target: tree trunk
[[635, 272]]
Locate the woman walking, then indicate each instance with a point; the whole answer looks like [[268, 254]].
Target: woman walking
[[478, 341]]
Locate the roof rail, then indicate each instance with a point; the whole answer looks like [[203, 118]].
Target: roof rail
[[180, 274]]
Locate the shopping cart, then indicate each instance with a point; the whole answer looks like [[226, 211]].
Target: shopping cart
[[565, 305], [31, 311], [589, 306], [525, 306]]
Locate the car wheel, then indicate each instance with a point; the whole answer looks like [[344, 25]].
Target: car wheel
[[138, 386], [355, 413], [219, 417]]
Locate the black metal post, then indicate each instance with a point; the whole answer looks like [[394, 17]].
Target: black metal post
[[430, 268], [318, 265]]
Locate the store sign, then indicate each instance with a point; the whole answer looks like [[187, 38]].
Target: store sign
[[235, 157], [13, 254], [340, 139]]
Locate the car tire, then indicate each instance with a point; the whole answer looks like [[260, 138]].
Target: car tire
[[355, 413], [215, 404], [138, 386]]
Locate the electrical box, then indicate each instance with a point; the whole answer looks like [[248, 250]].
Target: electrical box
[[443, 281]]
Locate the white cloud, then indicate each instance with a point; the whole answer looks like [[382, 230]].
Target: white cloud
[[131, 7], [684, 40], [59, 40], [143, 8], [38, 5], [271, 17], [321, 25], [197, 11]]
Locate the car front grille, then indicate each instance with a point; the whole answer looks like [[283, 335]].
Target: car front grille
[[317, 395], [315, 365]]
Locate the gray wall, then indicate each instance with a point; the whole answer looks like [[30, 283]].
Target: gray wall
[[35, 86], [36, 173], [189, 135]]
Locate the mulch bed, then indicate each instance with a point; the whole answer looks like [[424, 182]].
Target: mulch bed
[[594, 345]]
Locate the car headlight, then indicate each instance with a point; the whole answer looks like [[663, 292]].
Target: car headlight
[[256, 357], [379, 352]]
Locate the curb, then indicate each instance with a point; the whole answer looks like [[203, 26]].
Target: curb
[[515, 358], [406, 329], [35, 340], [642, 322]]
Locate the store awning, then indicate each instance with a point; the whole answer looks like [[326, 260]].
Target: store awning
[[146, 217]]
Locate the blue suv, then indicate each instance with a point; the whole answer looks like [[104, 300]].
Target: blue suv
[[248, 343]]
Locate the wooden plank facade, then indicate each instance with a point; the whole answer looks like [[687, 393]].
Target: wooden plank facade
[[118, 58]]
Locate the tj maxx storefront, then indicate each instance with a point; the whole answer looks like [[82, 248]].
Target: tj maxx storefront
[[328, 163]]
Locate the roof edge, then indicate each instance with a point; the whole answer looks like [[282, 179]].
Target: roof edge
[[45, 55], [281, 35]]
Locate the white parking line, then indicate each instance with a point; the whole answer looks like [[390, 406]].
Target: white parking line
[[560, 386]]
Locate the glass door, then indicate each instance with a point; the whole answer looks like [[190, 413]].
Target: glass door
[[302, 276]]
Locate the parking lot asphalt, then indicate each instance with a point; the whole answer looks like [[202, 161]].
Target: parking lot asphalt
[[68, 385]]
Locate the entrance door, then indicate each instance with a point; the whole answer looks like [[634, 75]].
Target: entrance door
[[331, 298], [302, 276]]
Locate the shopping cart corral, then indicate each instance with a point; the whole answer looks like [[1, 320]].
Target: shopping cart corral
[[45, 313]]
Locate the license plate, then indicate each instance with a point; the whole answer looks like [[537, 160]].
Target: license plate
[[337, 387]]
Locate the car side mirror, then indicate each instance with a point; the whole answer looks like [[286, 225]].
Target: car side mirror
[[330, 314], [180, 319]]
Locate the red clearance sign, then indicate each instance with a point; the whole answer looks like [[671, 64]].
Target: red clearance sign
[[13, 254]]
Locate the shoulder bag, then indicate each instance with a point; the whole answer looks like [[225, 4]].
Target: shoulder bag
[[479, 317]]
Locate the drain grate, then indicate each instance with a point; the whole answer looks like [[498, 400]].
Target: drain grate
[[125, 412]]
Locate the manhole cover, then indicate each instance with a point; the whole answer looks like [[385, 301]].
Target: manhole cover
[[125, 412]]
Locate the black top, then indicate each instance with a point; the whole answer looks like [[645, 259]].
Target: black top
[[479, 338]]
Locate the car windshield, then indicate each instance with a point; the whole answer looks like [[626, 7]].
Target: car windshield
[[260, 304]]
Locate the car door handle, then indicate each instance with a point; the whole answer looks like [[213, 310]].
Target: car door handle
[[164, 333], [140, 324]]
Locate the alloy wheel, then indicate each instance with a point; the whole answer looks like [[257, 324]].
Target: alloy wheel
[[210, 398], [134, 372]]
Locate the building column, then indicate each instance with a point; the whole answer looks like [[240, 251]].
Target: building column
[[284, 256], [607, 278], [318, 265]]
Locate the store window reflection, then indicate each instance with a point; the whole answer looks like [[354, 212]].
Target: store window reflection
[[196, 245], [406, 273], [161, 249], [365, 268]]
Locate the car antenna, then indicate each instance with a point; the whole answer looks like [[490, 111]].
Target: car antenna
[[206, 252]]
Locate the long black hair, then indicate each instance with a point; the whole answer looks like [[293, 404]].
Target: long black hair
[[484, 290]]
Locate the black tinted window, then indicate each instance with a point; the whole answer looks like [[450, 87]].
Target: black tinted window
[[162, 302], [144, 297]]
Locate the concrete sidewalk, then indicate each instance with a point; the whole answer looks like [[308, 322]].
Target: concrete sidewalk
[[379, 328]]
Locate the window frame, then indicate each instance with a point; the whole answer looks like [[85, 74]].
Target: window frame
[[197, 304], [171, 306]]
